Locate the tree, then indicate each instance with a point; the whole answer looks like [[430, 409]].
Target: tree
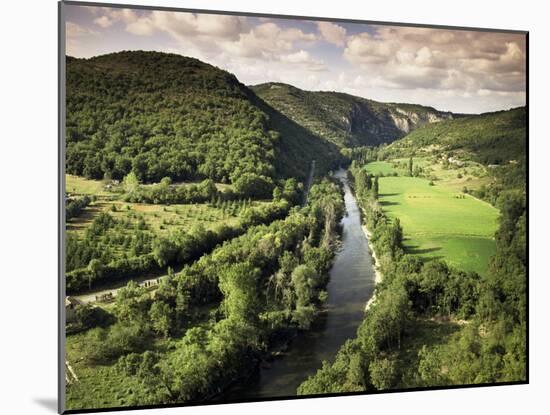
[[130, 183], [277, 193], [95, 268], [164, 251], [304, 279], [375, 187], [161, 317], [238, 285], [88, 316], [410, 166], [382, 373], [254, 185], [165, 182], [132, 303]]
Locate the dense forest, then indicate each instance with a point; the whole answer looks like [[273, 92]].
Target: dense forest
[[163, 115], [492, 138]]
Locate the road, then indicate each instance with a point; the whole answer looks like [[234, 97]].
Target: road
[[91, 297]]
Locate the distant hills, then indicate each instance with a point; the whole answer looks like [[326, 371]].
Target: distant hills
[[347, 120], [160, 115]]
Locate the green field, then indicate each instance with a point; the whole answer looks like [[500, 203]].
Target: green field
[[161, 219], [440, 222], [381, 168], [470, 174], [82, 186]]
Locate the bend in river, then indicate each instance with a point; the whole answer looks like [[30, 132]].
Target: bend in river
[[351, 285]]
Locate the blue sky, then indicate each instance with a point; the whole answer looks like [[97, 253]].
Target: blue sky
[[460, 71]]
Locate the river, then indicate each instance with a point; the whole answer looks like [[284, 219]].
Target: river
[[351, 285]]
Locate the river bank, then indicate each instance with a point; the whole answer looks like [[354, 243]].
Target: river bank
[[377, 273], [378, 276], [352, 282]]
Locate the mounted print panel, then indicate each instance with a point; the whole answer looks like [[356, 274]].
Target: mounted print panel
[[260, 207]]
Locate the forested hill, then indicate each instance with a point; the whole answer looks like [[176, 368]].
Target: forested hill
[[165, 115], [494, 138], [497, 140], [347, 120]]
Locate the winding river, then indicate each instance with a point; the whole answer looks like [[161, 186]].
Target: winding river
[[351, 285]]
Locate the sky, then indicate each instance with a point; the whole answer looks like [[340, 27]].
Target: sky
[[451, 70]]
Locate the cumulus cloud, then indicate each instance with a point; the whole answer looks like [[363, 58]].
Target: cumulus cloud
[[103, 21], [332, 33], [74, 30], [408, 58], [304, 58], [183, 25], [213, 34], [268, 41], [78, 38]]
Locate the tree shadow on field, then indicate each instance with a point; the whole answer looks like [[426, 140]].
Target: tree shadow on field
[[416, 250], [388, 194], [388, 203]]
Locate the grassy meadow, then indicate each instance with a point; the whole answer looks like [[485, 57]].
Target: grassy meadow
[[470, 174], [382, 168], [82, 186], [441, 222]]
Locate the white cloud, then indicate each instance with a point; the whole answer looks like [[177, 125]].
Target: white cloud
[[124, 15], [303, 57], [74, 30], [299, 57], [141, 27], [409, 58], [332, 33], [78, 39], [366, 49], [104, 21]]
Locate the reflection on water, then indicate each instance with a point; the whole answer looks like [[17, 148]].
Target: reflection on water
[[350, 287]]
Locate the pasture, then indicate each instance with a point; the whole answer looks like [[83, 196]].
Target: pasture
[[439, 222], [82, 186], [470, 174], [382, 168]]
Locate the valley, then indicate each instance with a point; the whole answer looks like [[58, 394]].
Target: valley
[[215, 244]]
